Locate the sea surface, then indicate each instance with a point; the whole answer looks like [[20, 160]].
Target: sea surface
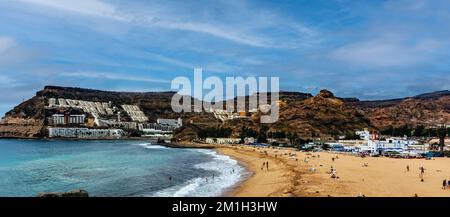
[[113, 168]]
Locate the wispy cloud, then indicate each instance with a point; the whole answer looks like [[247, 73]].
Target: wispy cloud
[[6, 44], [84, 7], [7, 48], [13, 53], [386, 53], [221, 32], [208, 66], [355, 48], [8, 82], [162, 18], [113, 76]]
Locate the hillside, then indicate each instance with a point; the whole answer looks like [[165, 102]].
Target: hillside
[[301, 113], [429, 109], [321, 115]]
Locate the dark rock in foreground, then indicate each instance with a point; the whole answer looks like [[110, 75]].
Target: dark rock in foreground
[[74, 193]]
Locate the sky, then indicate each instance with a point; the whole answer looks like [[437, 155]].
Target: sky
[[366, 49]]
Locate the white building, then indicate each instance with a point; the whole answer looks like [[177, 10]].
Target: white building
[[363, 134], [170, 122], [390, 144], [222, 140], [135, 113], [77, 119], [84, 133], [58, 119], [249, 140], [51, 102]]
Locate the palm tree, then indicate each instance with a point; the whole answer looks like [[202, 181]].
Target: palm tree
[[442, 132]]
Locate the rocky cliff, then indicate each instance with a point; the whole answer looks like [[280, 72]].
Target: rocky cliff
[[300, 113], [428, 109], [323, 114]]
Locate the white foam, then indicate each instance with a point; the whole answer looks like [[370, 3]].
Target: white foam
[[221, 166], [151, 146]]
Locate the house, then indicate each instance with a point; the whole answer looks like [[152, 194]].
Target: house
[[84, 133], [170, 122], [222, 140], [363, 134]]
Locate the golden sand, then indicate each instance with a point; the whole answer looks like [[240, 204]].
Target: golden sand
[[292, 175]]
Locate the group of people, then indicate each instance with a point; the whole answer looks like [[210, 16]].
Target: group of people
[[266, 165], [422, 172], [445, 184]]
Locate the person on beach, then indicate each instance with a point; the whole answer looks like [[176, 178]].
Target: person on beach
[[332, 159], [267, 165], [407, 168], [333, 174], [444, 184]]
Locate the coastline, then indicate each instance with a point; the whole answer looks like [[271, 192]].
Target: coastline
[[293, 173], [277, 181], [75, 139]]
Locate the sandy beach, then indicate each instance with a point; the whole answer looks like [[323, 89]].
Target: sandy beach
[[295, 173]]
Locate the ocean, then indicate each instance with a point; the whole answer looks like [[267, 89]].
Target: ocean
[[117, 168]]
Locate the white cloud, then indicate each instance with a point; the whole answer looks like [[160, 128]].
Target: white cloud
[[385, 53], [169, 60], [113, 76], [214, 30], [12, 53], [161, 17], [6, 45], [86, 7], [5, 80], [209, 67]]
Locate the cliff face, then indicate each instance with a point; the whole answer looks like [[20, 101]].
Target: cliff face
[[25, 120], [426, 109], [321, 115], [302, 113]]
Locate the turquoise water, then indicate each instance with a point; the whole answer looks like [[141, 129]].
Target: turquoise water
[[113, 168]]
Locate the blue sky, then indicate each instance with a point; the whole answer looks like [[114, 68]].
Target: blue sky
[[366, 49]]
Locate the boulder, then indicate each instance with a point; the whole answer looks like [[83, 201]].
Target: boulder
[[73, 193]]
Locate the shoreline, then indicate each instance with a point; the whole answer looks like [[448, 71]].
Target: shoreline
[[277, 181], [294, 173], [76, 139]]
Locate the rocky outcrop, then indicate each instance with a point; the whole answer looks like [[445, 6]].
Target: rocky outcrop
[[74, 193], [301, 113], [428, 109], [21, 127], [321, 115]]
